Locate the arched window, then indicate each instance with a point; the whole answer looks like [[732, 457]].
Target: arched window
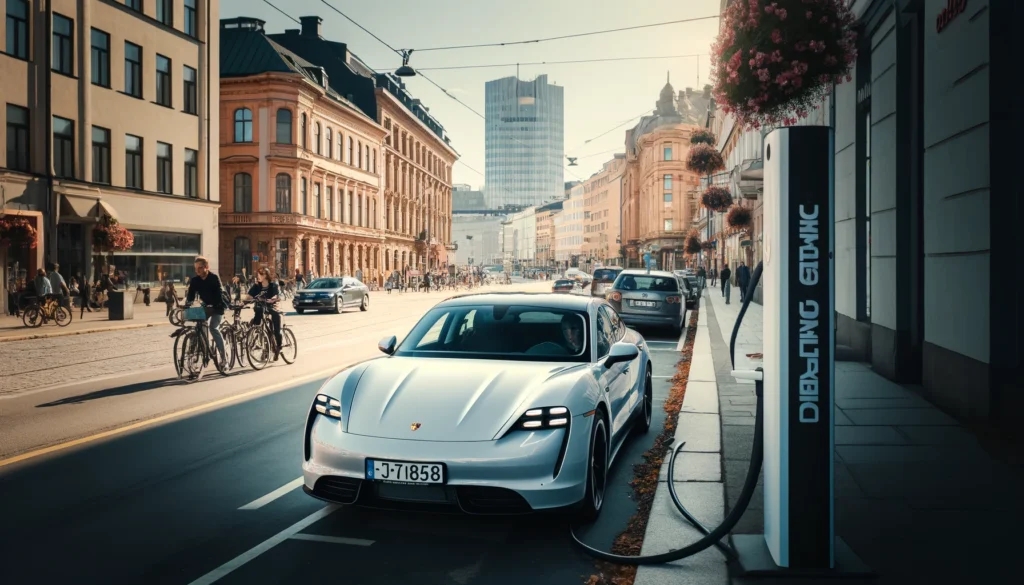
[[367, 157], [302, 131], [243, 254], [374, 169], [350, 160], [329, 152], [243, 193], [284, 193], [316, 137], [284, 126], [360, 145], [340, 153], [243, 125]]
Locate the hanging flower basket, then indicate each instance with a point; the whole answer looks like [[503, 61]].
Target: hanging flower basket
[[707, 246], [774, 61], [110, 236], [692, 244], [17, 232], [703, 136], [704, 159], [716, 199], [739, 217]]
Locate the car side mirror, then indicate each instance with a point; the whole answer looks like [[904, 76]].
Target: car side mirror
[[387, 345], [621, 352]]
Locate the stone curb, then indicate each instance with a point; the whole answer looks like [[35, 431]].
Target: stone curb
[[80, 332]]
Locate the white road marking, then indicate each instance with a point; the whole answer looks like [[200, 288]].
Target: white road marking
[[682, 338], [332, 539], [259, 503], [239, 561]]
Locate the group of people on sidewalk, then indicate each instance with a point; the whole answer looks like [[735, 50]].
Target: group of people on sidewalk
[[78, 292], [725, 278]]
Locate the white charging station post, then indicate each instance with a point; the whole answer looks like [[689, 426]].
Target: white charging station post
[[798, 372]]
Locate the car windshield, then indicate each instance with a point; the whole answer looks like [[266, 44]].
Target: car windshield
[[325, 283], [645, 282], [500, 332], [605, 275], [564, 283]]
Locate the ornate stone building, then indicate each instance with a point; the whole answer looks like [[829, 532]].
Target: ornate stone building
[[300, 165]]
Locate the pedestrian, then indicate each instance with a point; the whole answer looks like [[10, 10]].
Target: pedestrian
[[171, 298], [713, 275], [85, 296], [702, 277], [726, 284], [299, 279], [57, 284], [43, 286], [742, 280]]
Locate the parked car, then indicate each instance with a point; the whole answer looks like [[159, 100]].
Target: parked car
[[691, 287], [332, 294], [564, 286], [492, 404], [652, 298], [576, 274], [603, 278]]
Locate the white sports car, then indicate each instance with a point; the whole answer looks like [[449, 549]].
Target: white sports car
[[493, 404]]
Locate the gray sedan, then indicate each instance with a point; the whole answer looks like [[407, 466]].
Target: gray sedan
[[332, 294], [648, 298]]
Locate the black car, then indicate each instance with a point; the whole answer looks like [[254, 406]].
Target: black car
[[691, 290], [564, 286], [332, 294]]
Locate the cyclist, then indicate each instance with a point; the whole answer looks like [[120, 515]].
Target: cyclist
[[268, 290], [206, 285]]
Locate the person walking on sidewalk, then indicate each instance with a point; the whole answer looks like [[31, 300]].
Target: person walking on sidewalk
[[713, 274], [742, 280], [702, 278], [726, 285]]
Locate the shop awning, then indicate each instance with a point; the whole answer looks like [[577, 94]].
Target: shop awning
[[107, 209], [72, 207]]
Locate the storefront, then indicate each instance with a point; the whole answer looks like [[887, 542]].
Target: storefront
[[158, 257]]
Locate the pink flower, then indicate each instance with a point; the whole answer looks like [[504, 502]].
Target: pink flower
[[763, 75], [776, 56], [770, 8], [777, 36], [810, 15], [781, 13]]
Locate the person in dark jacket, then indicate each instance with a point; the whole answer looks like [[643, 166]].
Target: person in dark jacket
[[726, 284], [266, 289], [206, 285], [742, 280]]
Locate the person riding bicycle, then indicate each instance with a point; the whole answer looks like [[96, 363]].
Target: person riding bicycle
[[267, 290], [206, 285]]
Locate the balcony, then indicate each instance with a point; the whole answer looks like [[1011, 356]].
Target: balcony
[[299, 221]]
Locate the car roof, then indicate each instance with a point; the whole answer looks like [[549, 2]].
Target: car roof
[[641, 272], [554, 301]]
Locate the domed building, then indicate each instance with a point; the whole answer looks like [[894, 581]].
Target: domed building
[[659, 193]]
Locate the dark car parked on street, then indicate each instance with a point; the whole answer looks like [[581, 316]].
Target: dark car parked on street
[[649, 298], [333, 294], [564, 286]]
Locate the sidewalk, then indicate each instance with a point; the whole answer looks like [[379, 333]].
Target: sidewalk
[[13, 329], [916, 496]]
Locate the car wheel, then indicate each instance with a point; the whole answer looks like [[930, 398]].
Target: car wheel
[[337, 305], [300, 311], [597, 471], [647, 410], [366, 303]]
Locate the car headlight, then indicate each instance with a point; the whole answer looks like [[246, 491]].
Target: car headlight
[[328, 406], [536, 419]]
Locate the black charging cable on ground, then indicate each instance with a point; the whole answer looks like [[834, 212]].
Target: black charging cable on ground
[[711, 537]]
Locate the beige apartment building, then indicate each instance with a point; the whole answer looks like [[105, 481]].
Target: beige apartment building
[[107, 111], [547, 243], [602, 202]]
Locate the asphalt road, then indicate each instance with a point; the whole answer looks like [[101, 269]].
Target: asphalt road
[[215, 496]]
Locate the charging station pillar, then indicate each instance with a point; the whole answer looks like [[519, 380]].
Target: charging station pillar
[[799, 366]]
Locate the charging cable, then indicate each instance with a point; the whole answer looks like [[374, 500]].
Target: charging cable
[[714, 536]]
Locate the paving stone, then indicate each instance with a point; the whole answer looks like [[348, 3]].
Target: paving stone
[[701, 432], [880, 403], [941, 435], [700, 397], [900, 416], [702, 368], [868, 435], [841, 418], [852, 454], [737, 441], [738, 420], [695, 467], [668, 530]]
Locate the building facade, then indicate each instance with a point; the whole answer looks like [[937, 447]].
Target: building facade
[[547, 243], [108, 112], [523, 228], [524, 142], [602, 204], [658, 204], [569, 226]]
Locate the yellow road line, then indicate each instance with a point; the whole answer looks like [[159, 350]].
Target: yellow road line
[[169, 416]]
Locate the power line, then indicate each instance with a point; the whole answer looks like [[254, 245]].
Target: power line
[[571, 36], [609, 59], [381, 41], [620, 125], [281, 11]]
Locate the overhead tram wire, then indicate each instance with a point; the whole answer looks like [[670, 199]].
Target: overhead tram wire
[[572, 62], [295, 20]]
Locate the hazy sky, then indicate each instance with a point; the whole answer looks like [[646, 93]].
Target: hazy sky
[[598, 96]]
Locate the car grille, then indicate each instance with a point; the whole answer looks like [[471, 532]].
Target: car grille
[[343, 490], [491, 500]]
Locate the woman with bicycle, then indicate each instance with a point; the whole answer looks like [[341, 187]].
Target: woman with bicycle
[[268, 291]]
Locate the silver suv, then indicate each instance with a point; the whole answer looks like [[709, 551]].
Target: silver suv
[[652, 298]]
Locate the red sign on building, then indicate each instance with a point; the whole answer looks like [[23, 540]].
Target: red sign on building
[[953, 9]]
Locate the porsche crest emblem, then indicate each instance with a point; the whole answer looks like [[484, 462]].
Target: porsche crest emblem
[[415, 426]]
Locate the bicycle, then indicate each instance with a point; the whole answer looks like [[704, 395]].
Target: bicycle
[[260, 342], [196, 351], [36, 314], [235, 335]]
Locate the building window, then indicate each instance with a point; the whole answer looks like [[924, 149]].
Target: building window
[[132, 161], [191, 173], [668, 225], [163, 81], [63, 147], [303, 203], [63, 45], [302, 130], [243, 254], [100, 58], [243, 193], [284, 193], [329, 151], [188, 93], [100, 155], [284, 126], [668, 200], [17, 137], [243, 125], [164, 168], [134, 4], [330, 204], [190, 18], [668, 153], [17, 28], [133, 70], [316, 137], [351, 202], [360, 154], [668, 182], [317, 209], [350, 153], [165, 12]]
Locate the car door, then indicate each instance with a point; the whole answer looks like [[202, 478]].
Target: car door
[[633, 372], [348, 291], [614, 380]]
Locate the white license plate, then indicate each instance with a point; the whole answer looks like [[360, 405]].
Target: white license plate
[[645, 304], [407, 472]]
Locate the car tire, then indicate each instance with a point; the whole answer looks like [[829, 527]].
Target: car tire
[[365, 304], [647, 409], [597, 471], [300, 311], [337, 305]]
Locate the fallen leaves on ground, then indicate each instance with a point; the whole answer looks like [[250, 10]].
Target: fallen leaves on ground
[[645, 475], [755, 356]]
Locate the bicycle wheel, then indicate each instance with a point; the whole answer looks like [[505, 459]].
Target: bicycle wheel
[[62, 316], [177, 317], [241, 337], [176, 357], [230, 350], [289, 347], [259, 348], [192, 355], [32, 317]]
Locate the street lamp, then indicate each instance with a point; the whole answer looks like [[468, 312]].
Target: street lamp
[[405, 70]]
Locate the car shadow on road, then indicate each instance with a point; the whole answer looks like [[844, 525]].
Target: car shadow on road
[[132, 389]]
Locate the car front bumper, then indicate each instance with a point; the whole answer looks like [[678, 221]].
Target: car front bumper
[[514, 474], [314, 303]]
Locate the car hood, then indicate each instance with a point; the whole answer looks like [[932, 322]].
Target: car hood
[[450, 399]]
